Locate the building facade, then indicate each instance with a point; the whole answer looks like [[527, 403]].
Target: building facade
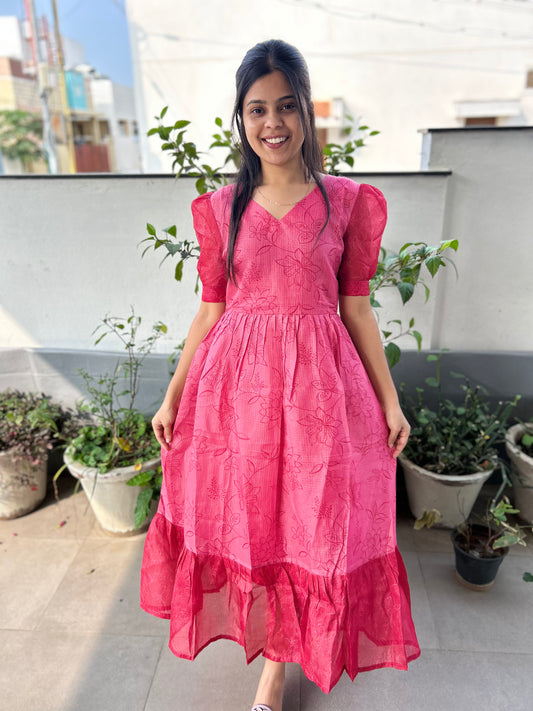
[[396, 67], [100, 112]]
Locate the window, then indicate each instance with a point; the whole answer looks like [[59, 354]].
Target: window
[[123, 128], [529, 79], [481, 121]]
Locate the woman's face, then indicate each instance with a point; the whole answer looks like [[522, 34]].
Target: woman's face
[[272, 122]]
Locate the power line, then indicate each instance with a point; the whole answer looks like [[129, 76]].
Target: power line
[[365, 15]]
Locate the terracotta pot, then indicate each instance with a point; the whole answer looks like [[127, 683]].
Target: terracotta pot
[[112, 500], [453, 496]]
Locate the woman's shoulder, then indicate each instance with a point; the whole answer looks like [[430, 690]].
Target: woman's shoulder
[[348, 189], [215, 199], [341, 183]]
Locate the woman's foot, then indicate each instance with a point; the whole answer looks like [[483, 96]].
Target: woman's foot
[[270, 688]]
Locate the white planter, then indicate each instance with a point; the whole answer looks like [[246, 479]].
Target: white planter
[[522, 463], [112, 500], [22, 485], [453, 496], [523, 478]]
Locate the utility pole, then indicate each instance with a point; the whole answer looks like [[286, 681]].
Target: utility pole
[[48, 134], [63, 88]]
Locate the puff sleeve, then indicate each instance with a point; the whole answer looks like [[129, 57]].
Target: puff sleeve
[[211, 266], [362, 240]]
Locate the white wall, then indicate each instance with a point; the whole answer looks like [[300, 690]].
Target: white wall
[[399, 66], [11, 43], [69, 248], [490, 210]]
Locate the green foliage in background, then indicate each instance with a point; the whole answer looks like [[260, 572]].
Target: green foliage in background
[[118, 434], [21, 136], [455, 439]]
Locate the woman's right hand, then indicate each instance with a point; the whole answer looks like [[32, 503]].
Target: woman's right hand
[[163, 422]]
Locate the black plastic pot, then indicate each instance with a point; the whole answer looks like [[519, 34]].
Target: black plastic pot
[[474, 572]]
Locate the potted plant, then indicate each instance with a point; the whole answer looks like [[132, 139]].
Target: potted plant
[[481, 547], [115, 454], [30, 424], [452, 448], [519, 447]]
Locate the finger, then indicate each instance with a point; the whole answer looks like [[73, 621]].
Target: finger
[[168, 433], [401, 442], [393, 436], [159, 434]]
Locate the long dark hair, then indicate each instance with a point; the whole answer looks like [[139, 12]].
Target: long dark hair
[[265, 58]]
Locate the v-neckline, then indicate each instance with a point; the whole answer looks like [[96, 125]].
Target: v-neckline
[[280, 219]]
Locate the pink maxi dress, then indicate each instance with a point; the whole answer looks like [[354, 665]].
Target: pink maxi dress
[[276, 526]]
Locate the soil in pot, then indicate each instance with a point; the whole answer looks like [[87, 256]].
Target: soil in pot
[[474, 568]]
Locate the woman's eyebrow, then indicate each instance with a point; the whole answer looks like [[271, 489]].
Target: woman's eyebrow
[[261, 101]]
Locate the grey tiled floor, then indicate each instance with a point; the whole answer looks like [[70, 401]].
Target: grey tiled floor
[[73, 638]]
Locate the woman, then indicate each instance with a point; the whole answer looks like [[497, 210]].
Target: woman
[[281, 425]]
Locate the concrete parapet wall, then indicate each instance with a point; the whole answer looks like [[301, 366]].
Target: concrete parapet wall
[[69, 249]]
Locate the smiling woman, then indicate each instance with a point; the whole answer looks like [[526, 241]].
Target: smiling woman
[[281, 426], [274, 129]]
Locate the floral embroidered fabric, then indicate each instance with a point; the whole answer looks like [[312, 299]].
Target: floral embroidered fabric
[[276, 525]]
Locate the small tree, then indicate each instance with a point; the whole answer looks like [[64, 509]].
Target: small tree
[[21, 136]]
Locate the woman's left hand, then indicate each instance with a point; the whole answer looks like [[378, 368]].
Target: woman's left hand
[[399, 430]]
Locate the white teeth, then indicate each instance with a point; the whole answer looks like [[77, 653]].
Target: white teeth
[[281, 139]]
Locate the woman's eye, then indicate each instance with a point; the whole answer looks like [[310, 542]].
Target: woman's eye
[[288, 107], [256, 110]]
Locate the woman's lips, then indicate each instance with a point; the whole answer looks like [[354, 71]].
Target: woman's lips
[[275, 142]]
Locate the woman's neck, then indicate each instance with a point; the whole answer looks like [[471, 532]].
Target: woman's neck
[[283, 176]]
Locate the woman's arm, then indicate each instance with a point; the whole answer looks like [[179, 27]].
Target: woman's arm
[[163, 420], [358, 317]]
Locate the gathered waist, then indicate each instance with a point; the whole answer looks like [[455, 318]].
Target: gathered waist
[[239, 311]]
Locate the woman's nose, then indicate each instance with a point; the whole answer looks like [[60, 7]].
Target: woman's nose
[[273, 119]]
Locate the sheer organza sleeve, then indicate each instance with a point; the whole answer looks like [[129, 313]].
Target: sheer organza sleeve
[[362, 240], [211, 267]]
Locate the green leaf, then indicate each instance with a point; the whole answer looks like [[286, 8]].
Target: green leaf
[[150, 229], [171, 230], [218, 122], [163, 112], [449, 244], [406, 291], [432, 358], [432, 382], [433, 264], [140, 479], [178, 273], [181, 124], [142, 507], [393, 354], [507, 539], [527, 577], [152, 131], [527, 440], [418, 338]]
